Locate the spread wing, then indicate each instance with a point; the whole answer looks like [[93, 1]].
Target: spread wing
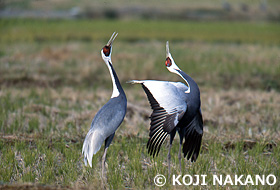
[[167, 99]]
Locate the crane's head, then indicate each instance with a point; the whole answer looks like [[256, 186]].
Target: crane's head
[[107, 49], [169, 62]]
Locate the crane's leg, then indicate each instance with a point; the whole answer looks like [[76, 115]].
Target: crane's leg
[[169, 158], [179, 154], [172, 135], [103, 163], [107, 144]]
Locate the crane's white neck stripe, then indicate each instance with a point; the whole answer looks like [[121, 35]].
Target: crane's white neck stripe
[[116, 92]]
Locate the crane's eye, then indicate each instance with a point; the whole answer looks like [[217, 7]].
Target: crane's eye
[[106, 50], [168, 62]]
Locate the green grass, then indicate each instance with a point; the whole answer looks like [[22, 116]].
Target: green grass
[[53, 81], [90, 30]]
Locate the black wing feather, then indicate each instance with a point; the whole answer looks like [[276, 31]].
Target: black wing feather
[[157, 133], [193, 137]]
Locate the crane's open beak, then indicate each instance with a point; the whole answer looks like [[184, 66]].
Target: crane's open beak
[[167, 49], [110, 42]]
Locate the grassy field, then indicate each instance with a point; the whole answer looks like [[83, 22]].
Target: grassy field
[[53, 81], [138, 30]]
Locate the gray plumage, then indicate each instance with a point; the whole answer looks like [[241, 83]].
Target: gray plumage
[[103, 126]]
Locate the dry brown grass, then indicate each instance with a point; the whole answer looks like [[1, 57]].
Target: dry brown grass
[[228, 114]]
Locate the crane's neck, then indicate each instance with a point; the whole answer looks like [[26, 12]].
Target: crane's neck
[[193, 87], [117, 88]]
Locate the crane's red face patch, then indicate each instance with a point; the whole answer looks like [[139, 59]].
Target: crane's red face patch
[[106, 50], [168, 62]]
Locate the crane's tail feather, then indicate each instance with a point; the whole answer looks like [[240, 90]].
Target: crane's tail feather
[[92, 145], [135, 81]]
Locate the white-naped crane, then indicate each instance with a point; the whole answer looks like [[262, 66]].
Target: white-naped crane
[[109, 117], [176, 107]]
